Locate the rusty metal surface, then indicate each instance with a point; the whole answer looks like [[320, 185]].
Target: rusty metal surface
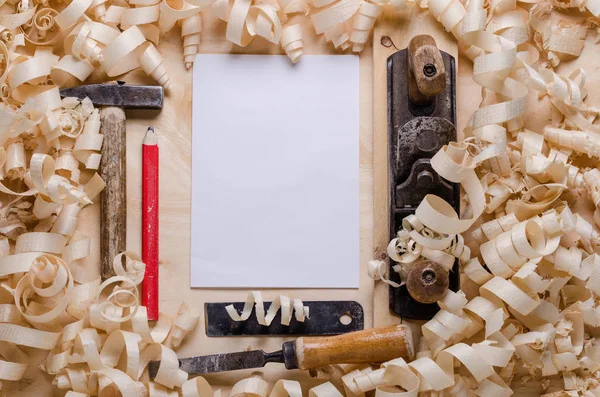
[[324, 320], [119, 94], [233, 361], [416, 133]]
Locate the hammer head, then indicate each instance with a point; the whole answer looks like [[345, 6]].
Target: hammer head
[[119, 94]]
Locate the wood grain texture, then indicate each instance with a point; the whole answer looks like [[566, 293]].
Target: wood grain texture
[[375, 345], [113, 169]]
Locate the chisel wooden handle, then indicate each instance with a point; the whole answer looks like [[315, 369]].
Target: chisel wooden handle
[[369, 346], [113, 220]]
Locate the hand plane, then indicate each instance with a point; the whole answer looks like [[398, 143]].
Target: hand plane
[[421, 119]]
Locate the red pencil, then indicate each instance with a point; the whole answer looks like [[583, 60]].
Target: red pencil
[[150, 222]]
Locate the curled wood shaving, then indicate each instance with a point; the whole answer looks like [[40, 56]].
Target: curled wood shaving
[[173, 11], [86, 40], [416, 241], [130, 50], [98, 32], [339, 37], [191, 27], [254, 301], [291, 42], [363, 23], [88, 43], [245, 21], [151, 62], [4, 60], [294, 6], [557, 40], [43, 29], [339, 12], [99, 349], [377, 271], [591, 6], [579, 141], [592, 184]]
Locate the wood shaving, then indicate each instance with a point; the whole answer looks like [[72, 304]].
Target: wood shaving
[[291, 42], [377, 270], [43, 29], [121, 35], [191, 27], [255, 302], [557, 40], [84, 359], [363, 23]]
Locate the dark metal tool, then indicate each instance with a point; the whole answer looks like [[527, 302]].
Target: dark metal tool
[[233, 361], [367, 346], [326, 318], [114, 97], [421, 119], [119, 94]]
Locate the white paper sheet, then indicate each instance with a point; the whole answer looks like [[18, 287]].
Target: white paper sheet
[[275, 169]]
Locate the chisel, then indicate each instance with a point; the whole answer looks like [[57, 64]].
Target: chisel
[[368, 346]]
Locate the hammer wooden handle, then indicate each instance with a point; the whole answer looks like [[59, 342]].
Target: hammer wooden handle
[[113, 224], [369, 346]]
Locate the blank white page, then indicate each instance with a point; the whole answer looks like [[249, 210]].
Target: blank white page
[[275, 172]]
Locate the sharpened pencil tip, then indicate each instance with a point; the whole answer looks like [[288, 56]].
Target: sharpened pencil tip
[[150, 137]]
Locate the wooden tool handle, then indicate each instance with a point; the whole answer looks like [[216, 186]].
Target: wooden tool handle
[[369, 346], [427, 281], [113, 223], [427, 74]]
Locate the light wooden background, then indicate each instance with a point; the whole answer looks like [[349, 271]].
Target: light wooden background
[[173, 126]]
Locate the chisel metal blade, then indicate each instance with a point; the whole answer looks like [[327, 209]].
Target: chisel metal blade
[[222, 362]]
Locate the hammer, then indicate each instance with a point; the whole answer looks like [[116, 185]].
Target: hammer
[[114, 98]]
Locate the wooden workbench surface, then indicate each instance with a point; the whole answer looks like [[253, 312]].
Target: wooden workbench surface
[[173, 126]]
